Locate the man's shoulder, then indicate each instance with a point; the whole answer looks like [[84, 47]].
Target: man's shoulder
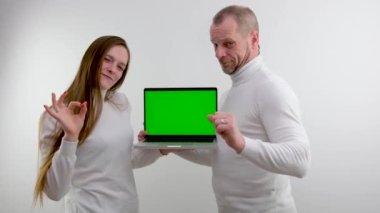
[[267, 79], [275, 90]]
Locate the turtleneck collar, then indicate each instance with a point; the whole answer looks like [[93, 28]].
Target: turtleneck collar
[[103, 92], [244, 73]]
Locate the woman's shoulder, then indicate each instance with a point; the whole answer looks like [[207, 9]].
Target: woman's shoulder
[[120, 100]]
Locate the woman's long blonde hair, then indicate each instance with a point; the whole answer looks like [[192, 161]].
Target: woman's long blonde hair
[[85, 87]]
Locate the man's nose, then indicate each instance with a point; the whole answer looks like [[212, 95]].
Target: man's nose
[[219, 52]]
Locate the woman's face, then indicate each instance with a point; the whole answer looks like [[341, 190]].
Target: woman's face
[[113, 66]]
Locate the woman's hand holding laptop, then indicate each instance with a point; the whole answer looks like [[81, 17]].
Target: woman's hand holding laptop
[[141, 138]]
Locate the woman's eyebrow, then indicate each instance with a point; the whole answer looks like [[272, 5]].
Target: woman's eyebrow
[[113, 58]]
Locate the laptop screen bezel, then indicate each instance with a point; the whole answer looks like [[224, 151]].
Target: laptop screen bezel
[[194, 138]]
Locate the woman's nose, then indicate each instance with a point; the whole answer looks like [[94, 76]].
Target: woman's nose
[[111, 68]]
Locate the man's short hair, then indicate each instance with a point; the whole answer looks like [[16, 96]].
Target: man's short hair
[[244, 17]]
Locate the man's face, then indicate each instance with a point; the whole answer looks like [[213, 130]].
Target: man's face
[[231, 48]]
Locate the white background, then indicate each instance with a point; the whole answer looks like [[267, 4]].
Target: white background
[[328, 50]]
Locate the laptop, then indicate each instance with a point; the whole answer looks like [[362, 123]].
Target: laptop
[[176, 118]]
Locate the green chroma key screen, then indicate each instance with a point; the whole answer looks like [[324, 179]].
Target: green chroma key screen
[[179, 111]]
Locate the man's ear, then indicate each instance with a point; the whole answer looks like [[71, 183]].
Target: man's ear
[[255, 41], [255, 38]]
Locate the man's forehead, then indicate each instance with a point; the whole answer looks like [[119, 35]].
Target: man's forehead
[[228, 22], [221, 38], [223, 33]]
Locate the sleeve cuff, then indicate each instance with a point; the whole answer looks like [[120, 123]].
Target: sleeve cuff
[[68, 148], [157, 153], [250, 147]]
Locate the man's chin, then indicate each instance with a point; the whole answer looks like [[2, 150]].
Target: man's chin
[[228, 70]]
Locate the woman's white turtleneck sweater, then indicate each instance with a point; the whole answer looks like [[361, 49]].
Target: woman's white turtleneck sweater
[[276, 145], [97, 176]]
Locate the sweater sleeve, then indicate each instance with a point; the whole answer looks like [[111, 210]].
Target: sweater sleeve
[[199, 156], [144, 157], [287, 151], [59, 175]]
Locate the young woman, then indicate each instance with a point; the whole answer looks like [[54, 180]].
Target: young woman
[[86, 137]]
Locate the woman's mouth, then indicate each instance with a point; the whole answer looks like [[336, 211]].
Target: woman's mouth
[[107, 76]]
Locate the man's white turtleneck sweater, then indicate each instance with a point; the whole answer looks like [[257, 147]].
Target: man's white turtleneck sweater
[[97, 176], [276, 145]]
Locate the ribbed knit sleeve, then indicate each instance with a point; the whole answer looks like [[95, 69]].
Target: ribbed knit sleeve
[[287, 151], [59, 175], [144, 157], [199, 156]]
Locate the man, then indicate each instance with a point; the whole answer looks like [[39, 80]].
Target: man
[[261, 140]]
